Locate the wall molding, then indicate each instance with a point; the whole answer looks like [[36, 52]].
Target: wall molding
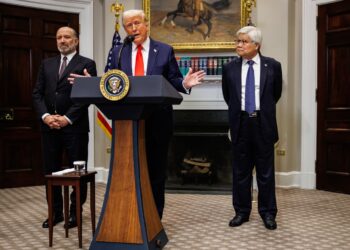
[[308, 91], [291, 179]]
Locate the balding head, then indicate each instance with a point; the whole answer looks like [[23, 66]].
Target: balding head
[[67, 40]]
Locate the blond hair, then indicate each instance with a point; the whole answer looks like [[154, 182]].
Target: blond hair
[[133, 13]]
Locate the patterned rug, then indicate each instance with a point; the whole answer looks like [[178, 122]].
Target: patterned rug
[[307, 219]]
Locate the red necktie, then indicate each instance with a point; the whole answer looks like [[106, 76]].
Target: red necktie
[[139, 68]]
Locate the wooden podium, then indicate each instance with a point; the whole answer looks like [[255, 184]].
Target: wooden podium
[[129, 219]]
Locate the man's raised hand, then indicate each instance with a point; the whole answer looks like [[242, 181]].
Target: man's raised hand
[[72, 76]]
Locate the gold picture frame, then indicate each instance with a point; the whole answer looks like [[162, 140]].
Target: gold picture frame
[[226, 17]]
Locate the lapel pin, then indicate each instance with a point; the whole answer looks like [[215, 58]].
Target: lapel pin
[[265, 64], [155, 51]]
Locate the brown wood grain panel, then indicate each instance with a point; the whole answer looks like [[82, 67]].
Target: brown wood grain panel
[[16, 86], [51, 26], [339, 77], [338, 158], [20, 158], [121, 219], [153, 223], [333, 102], [23, 46], [339, 22], [16, 25]]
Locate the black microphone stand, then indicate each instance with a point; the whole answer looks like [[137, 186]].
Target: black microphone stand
[[127, 40]]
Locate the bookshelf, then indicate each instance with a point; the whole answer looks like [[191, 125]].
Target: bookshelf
[[211, 65], [208, 95]]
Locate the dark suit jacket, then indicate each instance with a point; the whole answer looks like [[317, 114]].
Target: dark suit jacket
[[161, 61], [270, 92], [52, 94]]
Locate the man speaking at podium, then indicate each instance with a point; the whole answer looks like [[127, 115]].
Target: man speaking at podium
[[145, 56], [140, 56]]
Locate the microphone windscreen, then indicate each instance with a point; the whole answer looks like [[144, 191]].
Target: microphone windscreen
[[129, 39]]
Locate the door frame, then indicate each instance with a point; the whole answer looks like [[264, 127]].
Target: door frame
[[308, 92], [86, 47]]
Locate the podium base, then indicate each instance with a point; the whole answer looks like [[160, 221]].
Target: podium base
[[129, 217], [157, 243]]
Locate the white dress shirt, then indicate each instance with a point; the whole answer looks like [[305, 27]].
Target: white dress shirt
[[145, 52], [69, 58]]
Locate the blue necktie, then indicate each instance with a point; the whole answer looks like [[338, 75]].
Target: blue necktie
[[250, 89]]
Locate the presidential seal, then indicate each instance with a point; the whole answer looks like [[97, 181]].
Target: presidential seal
[[114, 85]]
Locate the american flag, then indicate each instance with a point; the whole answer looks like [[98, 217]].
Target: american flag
[[115, 43], [102, 120]]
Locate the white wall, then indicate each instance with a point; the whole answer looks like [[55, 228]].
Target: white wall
[[279, 21], [308, 87], [290, 35]]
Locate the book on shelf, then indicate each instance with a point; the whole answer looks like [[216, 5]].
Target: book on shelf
[[210, 65]]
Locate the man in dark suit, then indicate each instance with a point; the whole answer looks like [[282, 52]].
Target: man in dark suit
[[252, 85], [157, 59], [64, 124]]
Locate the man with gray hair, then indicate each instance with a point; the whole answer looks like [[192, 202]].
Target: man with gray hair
[[252, 85]]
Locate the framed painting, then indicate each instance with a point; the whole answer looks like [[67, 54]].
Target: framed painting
[[197, 24]]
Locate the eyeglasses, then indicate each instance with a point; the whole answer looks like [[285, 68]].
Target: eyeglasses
[[130, 26], [244, 42]]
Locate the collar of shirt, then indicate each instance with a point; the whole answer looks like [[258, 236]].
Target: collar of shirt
[[255, 59], [69, 57], [145, 45]]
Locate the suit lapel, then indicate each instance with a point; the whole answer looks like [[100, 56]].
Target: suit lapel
[[152, 55], [263, 74], [56, 67], [237, 75], [126, 64], [69, 68]]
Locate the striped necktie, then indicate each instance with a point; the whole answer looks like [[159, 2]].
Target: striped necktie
[[63, 66]]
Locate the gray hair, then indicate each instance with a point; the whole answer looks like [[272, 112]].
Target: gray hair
[[253, 32], [133, 13]]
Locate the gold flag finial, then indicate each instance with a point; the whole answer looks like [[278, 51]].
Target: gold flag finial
[[248, 6], [117, 8]]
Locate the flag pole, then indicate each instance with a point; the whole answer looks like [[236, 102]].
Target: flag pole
[[102, 120]]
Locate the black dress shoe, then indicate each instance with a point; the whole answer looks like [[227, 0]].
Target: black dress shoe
[[56, 219], [72, 222], [270, 222], [238, 220]]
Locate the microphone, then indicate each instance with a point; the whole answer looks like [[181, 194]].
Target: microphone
[[127, 40]]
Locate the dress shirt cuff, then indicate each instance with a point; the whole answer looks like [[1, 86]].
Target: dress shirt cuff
[[187, 90], [70, 122], [44, 116]]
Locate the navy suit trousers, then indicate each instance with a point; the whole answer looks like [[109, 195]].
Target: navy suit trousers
[[249, 151]]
